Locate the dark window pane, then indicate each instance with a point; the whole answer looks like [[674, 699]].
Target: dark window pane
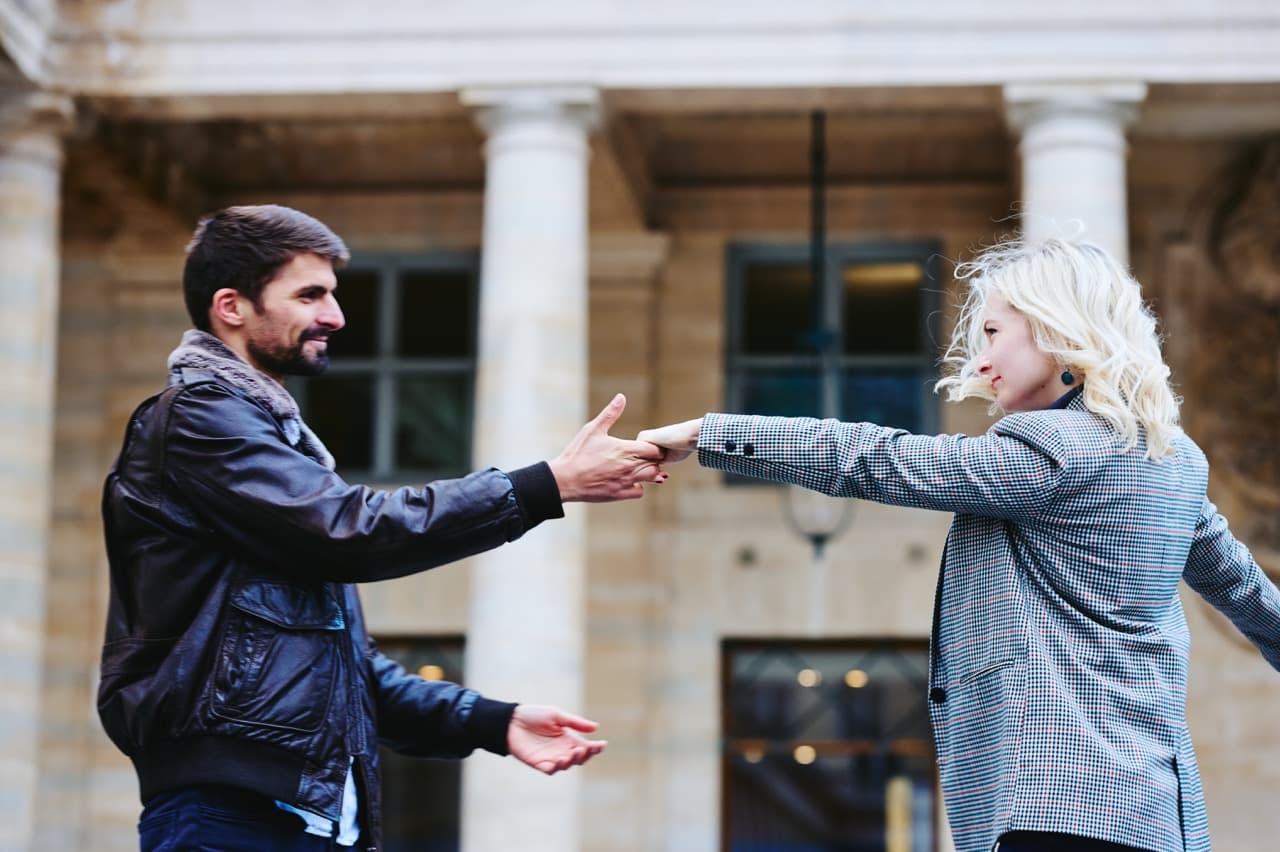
[[421, 799], [777, 309], [358, 296], [837, 803], [436, 314], [433, 423], [828, 747], [784, 392], [340, 412], [885, 396], [882, 308]]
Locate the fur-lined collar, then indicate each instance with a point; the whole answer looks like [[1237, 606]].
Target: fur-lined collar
[[200, 350]]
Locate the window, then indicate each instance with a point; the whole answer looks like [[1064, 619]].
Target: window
[[397, 399], [827, 747], [880, 304], [422, 799]]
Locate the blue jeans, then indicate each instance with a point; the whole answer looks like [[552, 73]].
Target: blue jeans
[[1043, 841], [224, 819]]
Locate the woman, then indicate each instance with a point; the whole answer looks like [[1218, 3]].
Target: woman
[[1058, 666]]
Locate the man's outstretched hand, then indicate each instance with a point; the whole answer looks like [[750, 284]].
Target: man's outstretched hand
[[678, 440], [547, 738], [598, 468]]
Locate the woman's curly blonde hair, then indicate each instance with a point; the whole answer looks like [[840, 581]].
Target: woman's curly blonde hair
[[1086, 312]]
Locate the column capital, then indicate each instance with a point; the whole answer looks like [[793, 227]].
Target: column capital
[[22, 112], [627, 256], [1027, 104], [496, 106]]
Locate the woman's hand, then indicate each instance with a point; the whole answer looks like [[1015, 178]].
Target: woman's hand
[[679, 440]]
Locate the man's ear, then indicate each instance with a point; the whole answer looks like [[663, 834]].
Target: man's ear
[[227, 307]]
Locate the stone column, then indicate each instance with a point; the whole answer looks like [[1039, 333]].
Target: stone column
[[1073, 159], [525, 640], [623, 590], [31, 125]]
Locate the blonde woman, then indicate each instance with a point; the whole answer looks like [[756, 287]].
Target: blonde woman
[[1059, 653]]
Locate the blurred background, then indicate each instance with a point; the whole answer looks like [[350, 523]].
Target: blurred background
[[711, 205]]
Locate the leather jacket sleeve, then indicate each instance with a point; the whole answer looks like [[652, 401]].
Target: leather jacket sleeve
[[228, 460], [431, 718]]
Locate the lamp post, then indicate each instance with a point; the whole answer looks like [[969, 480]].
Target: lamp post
[[815, 516]]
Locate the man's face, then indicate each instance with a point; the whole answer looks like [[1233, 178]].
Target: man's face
[[289, 333]]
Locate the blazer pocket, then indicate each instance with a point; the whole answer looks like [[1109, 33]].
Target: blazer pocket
[[984, 671]]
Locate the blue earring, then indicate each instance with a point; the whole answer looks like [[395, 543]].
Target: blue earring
[[1067, 378]]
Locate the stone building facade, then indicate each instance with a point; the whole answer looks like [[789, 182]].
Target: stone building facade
[[603, 166]]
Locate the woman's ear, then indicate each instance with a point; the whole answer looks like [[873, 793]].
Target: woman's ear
[[226, 307]]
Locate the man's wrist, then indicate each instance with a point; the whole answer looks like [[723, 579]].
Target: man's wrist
[[488, 724], [538, 494]]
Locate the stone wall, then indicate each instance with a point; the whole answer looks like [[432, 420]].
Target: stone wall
[[670, 576]]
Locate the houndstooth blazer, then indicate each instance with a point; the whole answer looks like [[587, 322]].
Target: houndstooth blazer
[[1058, 661]]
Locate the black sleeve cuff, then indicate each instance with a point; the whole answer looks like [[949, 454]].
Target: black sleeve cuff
[[488, 723], [537, 494]]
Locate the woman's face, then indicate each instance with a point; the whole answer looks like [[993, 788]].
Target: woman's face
[[1022, 377]]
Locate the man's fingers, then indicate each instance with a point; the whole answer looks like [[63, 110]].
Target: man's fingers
[[609, 415], [577, 723]]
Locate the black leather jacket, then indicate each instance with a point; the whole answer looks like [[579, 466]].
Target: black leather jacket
[[236, 650]]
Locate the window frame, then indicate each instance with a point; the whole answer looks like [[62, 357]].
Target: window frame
[[386, 367], [729, 646], [742, 255], [448, 647]]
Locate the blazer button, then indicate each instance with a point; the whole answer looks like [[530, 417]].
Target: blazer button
[[937, 695], [748, 449], [730, 446]]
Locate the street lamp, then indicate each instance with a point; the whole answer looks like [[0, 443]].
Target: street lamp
[[815, 516]]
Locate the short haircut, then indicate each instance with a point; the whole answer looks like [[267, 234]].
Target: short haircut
[[245, 247]]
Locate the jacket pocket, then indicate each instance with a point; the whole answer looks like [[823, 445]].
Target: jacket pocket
[[278, 656], [980, 672]]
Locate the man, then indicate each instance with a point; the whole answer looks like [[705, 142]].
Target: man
[[236, 672]]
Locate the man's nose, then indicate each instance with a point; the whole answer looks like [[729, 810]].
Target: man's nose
[[331, 317]]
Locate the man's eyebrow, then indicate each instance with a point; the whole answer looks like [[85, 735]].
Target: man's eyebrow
[[315, 285]]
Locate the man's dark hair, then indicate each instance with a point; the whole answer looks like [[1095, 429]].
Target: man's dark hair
[[244, 247]]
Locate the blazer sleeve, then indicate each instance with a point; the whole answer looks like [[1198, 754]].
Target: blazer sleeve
[[429, 718], [1014, 472], [228, 462], [1223, 571]]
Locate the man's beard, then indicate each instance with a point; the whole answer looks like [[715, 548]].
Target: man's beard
[[292, 360]]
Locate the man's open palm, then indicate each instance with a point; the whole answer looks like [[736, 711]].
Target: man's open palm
[[547, 738]]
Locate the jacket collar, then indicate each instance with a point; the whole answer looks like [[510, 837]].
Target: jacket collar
[[202, 351]]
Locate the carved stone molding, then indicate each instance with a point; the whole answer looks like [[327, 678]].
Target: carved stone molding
[[1222, 309], [35, 110]]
